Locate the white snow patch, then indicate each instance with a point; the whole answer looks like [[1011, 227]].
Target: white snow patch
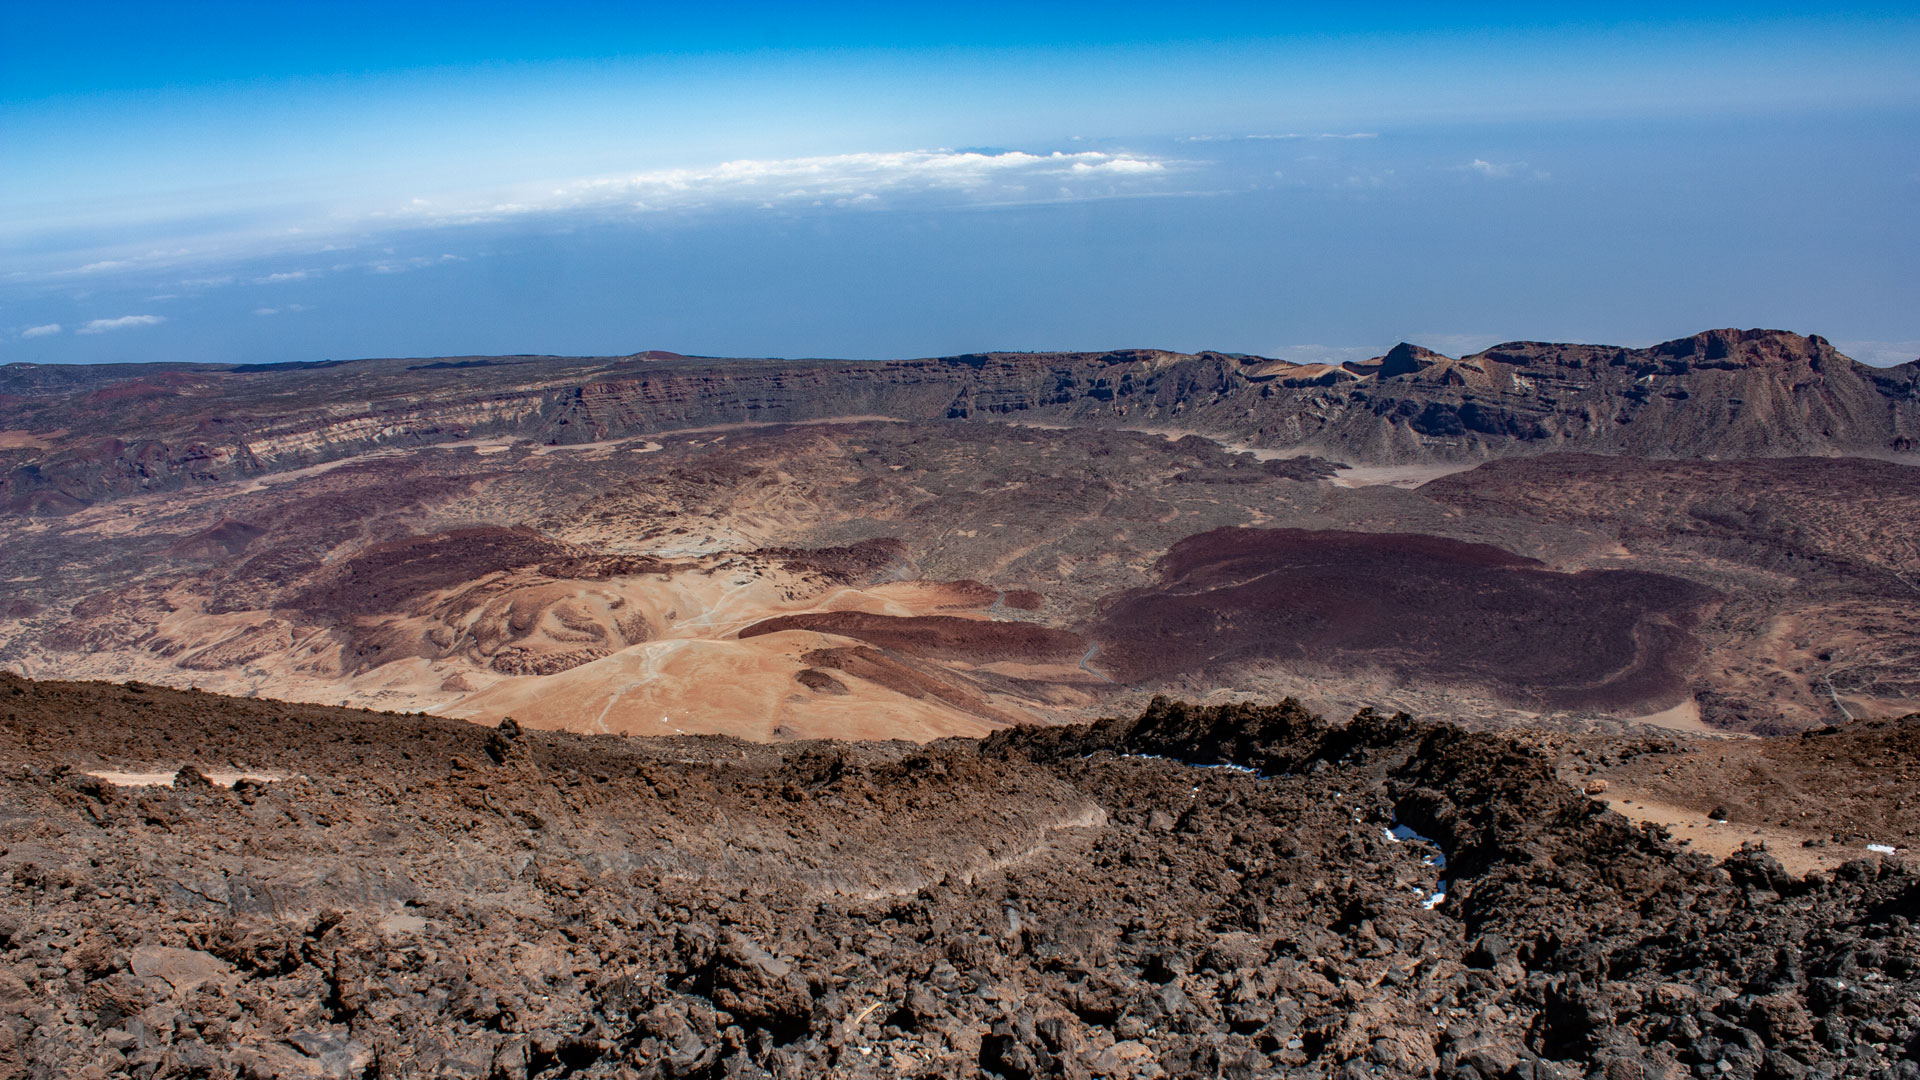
[[1400, 833], [1437, 859]]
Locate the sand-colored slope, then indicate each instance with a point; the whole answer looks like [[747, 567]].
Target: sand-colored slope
[[691, 686], [640, 653]]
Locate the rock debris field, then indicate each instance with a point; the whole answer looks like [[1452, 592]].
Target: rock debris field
[[379, 895]]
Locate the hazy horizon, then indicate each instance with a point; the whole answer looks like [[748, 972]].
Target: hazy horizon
[[240, 186]]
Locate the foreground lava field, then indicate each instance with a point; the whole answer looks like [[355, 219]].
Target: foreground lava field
[[1239, 891]]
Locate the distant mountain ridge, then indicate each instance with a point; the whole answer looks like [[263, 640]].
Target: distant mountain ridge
[[73, 436]]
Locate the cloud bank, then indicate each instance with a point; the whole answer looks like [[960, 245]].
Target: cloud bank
[[47, 330], [841, 181], [909, 179]]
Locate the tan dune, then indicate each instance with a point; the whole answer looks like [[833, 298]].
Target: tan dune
[[701, 687]]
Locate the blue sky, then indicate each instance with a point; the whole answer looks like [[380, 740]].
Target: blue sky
[[295, 182]]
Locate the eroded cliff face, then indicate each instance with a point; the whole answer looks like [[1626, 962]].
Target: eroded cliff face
[[127, 431], [1719, 394], [89, 436]]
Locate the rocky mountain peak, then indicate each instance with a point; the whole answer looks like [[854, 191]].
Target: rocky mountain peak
[[1748, 348], [1403, 359]]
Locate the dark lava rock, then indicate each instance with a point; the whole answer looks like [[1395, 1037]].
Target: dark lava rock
[[425, 898]]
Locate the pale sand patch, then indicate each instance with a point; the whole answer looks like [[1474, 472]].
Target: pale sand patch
[[1686, 717], [1719, 839], [921, 597], [22, 439], [309, 664], [704, 687], [221, 777], [1400, 476], [264, 480], [135, 779], [543, 449], [1353, 476], [1258, 453]]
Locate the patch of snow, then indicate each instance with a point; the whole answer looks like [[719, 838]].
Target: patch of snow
[[1400, 833], [1228, 765], [1884, 849]]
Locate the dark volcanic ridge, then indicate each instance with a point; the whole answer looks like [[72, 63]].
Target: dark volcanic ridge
[[1232, 892], [81, 435]]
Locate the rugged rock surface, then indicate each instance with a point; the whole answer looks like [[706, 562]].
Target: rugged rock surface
[[1192, 892], [1433, 611]]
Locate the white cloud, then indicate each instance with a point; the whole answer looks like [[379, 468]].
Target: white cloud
[[124, 322], [1135, 166], [964, 177], [284, 309], [1284, 135], [910, 179], [47, 330], [1504, 170]]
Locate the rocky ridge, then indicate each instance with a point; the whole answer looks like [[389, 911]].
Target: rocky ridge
[[86, 435]]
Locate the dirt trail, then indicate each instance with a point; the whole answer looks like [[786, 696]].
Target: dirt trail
[[1686, 717], [223, 777], [1720, 839]]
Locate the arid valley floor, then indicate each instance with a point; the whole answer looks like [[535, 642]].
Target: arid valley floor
[[918, 718]]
